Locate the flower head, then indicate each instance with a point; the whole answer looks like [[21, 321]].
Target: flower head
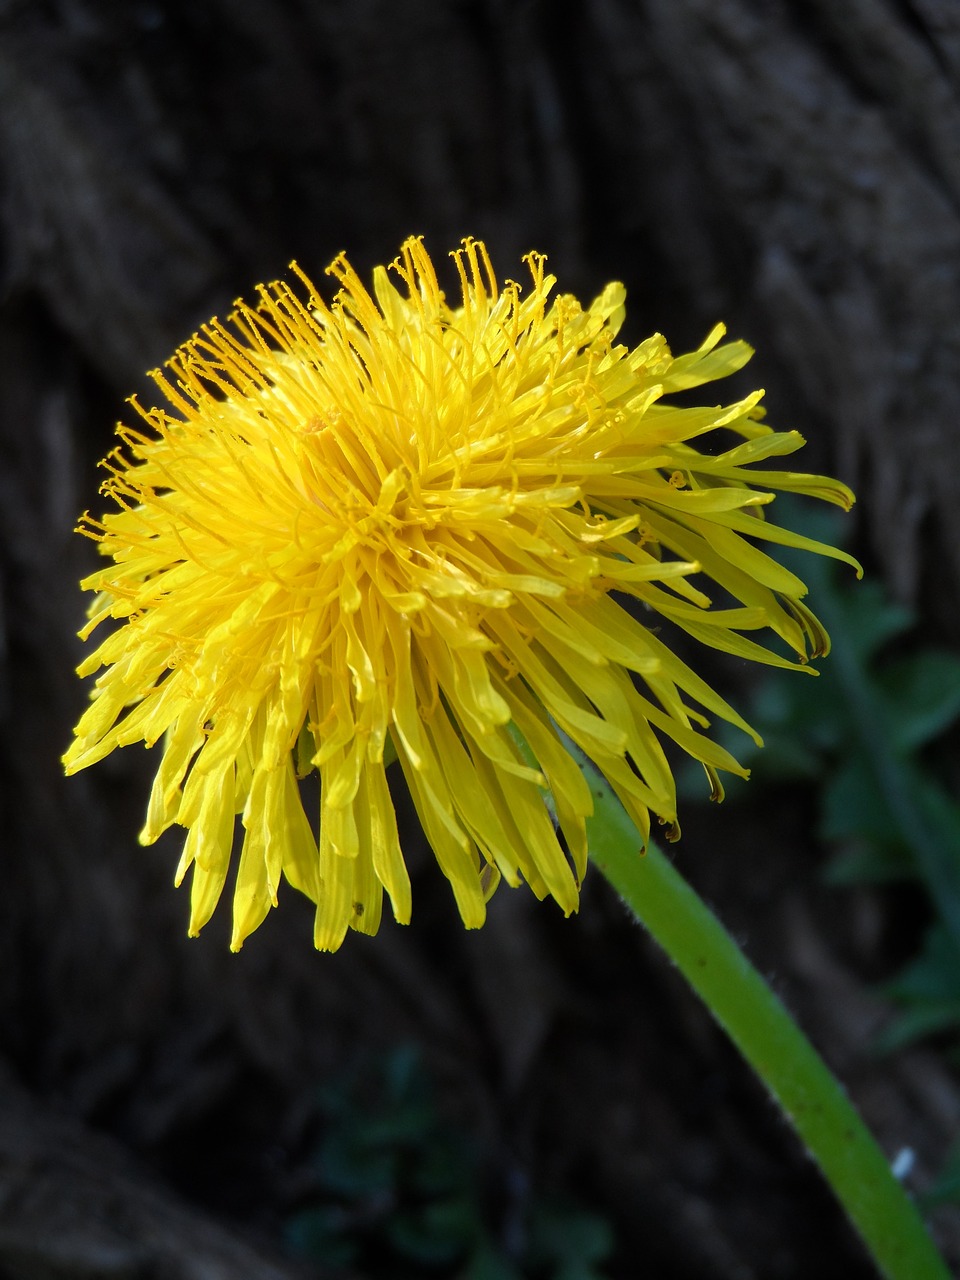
[[394, 527]]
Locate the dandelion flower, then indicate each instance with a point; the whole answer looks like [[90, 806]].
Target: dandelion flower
[[455, 536]]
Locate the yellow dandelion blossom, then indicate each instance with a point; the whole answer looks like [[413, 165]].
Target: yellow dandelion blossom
[[392, 528]]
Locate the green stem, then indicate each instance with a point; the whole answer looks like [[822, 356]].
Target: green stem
[[770, 1040]]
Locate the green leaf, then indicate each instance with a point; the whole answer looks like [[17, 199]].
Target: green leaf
[[872, 619], [762, 1029], [405, 1121], [785, 757], [443, 1165], [352, 1167], [935, 843], [917, 1022], [859, 729], [923, 695], [570, 1239], [438, 1234], [946, 1187], [934, 974], [870, 864], [319, 1234], [928, 990], [488, 1263], [790, 707], [852, 804]]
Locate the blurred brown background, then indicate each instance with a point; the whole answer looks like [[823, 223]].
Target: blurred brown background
[[792, 167]]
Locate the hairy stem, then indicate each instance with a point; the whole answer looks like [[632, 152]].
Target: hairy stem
[[769, 1039]]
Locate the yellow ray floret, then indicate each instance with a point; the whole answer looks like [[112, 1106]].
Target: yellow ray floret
[[391, 528]]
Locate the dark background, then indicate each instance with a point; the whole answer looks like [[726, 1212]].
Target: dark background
[[790, 167]]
